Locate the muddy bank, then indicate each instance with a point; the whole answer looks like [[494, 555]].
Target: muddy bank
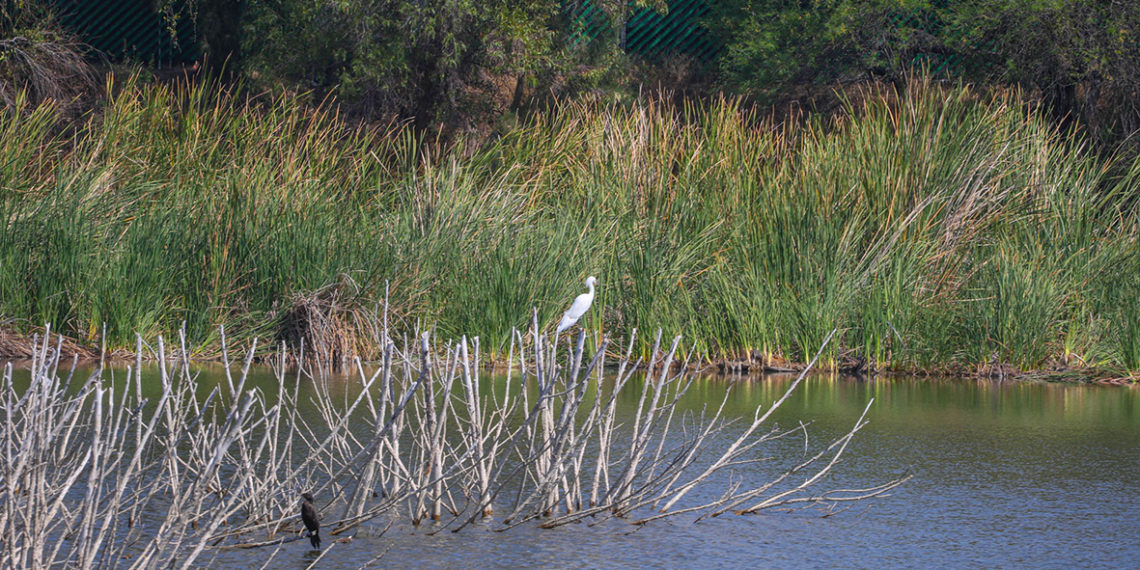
[[18, 345]]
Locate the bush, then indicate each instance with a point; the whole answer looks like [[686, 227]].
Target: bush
[[38, 62]]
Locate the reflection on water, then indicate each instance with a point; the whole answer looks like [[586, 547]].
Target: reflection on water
[[1007, 474]]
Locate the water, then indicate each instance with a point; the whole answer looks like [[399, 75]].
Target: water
[[1010, 475], [1006, 475]]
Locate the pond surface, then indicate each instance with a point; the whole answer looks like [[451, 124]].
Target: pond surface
[[1006, 474]]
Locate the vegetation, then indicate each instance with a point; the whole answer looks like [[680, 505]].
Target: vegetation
[[933, 226], [433, 61], [1081, 58], [36, 59], [467, 64]]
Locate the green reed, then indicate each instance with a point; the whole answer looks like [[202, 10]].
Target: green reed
[[934, 227]]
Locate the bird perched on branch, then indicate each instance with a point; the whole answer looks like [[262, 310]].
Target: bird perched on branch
[[311, 519], [579, 307]]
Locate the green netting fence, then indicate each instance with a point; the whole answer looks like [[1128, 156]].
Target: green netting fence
[[129, 30], [648, 32]]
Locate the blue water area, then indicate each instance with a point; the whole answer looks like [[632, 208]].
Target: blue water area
[[1006, 475]]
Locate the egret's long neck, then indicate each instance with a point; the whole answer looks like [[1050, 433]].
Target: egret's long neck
[[591, 286]]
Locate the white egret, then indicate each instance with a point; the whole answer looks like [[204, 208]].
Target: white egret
[[579, 307]]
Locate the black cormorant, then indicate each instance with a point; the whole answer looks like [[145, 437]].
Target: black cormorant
[[311, 519]]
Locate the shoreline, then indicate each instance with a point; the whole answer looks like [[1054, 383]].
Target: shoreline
[[16, 348]]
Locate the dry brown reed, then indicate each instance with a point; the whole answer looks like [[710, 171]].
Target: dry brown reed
[[18, 346], [47, 68], [331, 326]]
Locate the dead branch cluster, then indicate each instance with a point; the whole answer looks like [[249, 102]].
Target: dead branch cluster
[[113, 471]]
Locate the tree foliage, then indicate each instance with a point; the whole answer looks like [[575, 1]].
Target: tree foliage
[[462, 62], [436, 60], [1082, 56], [449, 61], [770, 44]]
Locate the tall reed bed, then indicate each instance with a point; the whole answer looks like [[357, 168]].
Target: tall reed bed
[[98, 473], [934, 227]]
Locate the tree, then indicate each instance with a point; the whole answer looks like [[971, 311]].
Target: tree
[[1081, 56], [436, 60], [771, 45]]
